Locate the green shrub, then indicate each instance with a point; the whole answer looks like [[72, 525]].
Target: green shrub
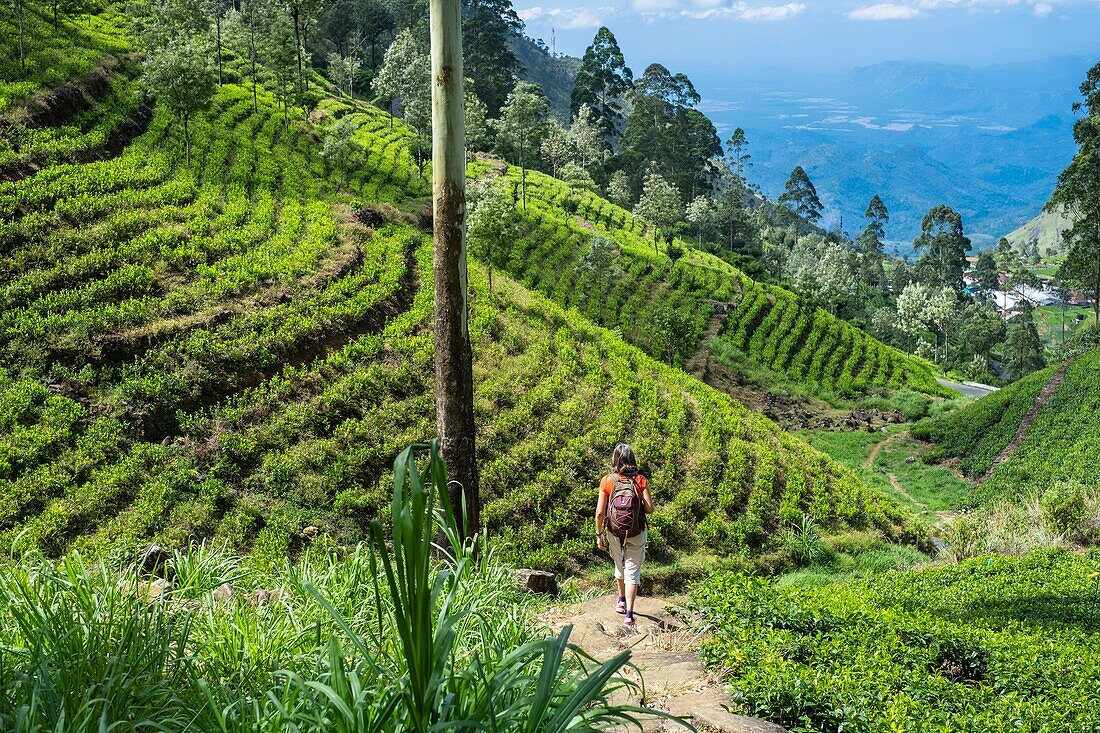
[[1059, 446], [1064, 509], [993, 644]]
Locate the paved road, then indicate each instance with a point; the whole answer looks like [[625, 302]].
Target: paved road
[[970, 389]]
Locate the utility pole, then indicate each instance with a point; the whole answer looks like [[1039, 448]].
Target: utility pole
[[454, 384]]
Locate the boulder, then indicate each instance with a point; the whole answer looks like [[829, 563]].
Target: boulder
[[911, 459], [537, 581], [260, 596], [152, 559], [224, 593], [156, 589]]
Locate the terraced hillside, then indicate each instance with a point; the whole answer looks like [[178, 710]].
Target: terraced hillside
[[77, 97], [226, 350], [668, 307], [1040, 430]]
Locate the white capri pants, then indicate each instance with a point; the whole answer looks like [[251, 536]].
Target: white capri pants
[[628, 559]]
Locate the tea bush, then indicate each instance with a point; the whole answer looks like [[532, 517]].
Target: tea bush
[[664, 304], [992, 644]]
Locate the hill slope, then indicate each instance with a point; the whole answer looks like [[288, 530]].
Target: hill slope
[[227, 350], [1046, 229], [673, 308], [1040, 430]]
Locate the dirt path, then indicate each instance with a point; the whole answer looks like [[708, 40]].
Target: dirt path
[[663, 649], [870, 461], [699, 364], [1041, 401]]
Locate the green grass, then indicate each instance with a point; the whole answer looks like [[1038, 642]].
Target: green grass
[[388, 636], [922, 487], [1048, 320], [993, 644]]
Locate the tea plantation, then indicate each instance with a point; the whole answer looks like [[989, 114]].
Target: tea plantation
[[993, 644], [224, 349], [665, 305]]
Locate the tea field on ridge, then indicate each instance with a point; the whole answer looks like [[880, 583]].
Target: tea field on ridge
[[225, 350]]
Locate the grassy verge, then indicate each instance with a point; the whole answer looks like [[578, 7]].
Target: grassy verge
[[386, 638], [898, 468]]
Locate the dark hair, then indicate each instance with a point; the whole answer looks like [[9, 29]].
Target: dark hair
[[622, 458]]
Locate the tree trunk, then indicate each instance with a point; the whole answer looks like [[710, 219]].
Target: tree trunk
[[523, 172], [186, 142], [22, 46], [453, 357], [296, 13], [1096, 279], [218, 28], [305, 40], [55, 2]]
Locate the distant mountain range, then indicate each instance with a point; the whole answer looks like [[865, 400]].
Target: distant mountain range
[[988, 141]]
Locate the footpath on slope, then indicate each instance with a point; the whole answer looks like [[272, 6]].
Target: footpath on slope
[[943, 516], [1041, 401], [662, 648]]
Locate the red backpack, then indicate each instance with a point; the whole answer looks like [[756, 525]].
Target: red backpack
[[626, 516]]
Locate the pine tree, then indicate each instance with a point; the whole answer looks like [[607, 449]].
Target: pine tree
[[800, 196], [665, 129], [871, 244], [1078, 192], [985, 272], [737, 153], [487, 28], [943, 247], [602, 83]]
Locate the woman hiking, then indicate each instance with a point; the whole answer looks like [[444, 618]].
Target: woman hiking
[[624, 502]]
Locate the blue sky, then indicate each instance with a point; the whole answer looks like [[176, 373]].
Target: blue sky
[[713, 37]]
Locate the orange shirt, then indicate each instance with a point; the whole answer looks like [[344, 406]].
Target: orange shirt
[[607, 483]]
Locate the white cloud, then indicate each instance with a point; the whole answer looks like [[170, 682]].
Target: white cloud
[[567, 18], [701, 9], [769, 12], [885, 11], [908, 9]]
